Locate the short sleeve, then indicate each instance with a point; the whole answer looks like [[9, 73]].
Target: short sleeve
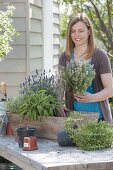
[[62, 61], [104, 63]]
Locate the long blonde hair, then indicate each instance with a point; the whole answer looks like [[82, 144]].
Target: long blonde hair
[[69, 43]]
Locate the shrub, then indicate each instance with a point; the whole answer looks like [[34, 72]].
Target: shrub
[[7, 31]]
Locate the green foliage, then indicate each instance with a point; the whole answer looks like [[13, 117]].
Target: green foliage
[[38, 97], [7, 31], [38, 104], [71, 122], [93, 135], [89, 135], [64, 18], [13, 104], [66, 1], [77, 76], [34, 105], [111, 101], [101, 14]]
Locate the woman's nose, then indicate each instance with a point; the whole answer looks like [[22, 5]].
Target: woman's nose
[[77, 33]]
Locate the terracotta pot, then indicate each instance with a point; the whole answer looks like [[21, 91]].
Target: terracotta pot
[[9, 130], [30, 143]]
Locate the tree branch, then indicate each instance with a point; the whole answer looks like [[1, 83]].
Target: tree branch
[[93, 21], [109, 6], [102, 24]]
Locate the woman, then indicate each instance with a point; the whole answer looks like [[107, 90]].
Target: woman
[[80, 46]]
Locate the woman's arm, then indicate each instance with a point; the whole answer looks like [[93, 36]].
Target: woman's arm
[[60, 87], [104, 94]]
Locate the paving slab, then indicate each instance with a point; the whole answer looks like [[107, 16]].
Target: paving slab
[[50, 156]]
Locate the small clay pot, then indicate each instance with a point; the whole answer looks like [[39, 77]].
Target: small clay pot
[[9, 130], [30, 144]]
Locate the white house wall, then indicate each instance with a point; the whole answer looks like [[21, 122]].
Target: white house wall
[[36, 35], [56, 36], [28, 51], [13, 68], [51, 34]]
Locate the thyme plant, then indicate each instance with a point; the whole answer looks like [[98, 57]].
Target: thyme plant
[[90, 135], [93, 136], [77, 76]]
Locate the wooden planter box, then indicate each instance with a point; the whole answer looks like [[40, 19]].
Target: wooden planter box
[[47, 127]]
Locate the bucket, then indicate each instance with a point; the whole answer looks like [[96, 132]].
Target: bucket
[[24, 132]]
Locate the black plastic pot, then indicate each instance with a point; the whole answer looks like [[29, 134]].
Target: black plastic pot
[[24, 132], [64, 139]]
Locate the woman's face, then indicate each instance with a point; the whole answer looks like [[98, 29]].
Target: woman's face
[[80, 34]]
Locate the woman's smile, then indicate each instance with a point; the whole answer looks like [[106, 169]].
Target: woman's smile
[[79, 33]]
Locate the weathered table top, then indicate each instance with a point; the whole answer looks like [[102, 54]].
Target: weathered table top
[[50, 156]]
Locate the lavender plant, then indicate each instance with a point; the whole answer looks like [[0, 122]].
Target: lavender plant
[[39, 82], [39, 97], [77, 76]]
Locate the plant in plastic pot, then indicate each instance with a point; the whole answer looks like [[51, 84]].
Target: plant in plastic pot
[[70, 124], [92, 135], [24, 132]]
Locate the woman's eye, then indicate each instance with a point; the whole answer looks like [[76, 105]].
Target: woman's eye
[[73, 32], [81, 30]]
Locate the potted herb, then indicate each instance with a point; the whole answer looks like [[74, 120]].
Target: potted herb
[[38, 105], [77, 76], [90, 135]]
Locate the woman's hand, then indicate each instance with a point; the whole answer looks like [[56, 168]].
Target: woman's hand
[[104, 94], [88, 97], [63, 112]]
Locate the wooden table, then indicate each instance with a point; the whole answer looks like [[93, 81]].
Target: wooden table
[[50, 156]]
